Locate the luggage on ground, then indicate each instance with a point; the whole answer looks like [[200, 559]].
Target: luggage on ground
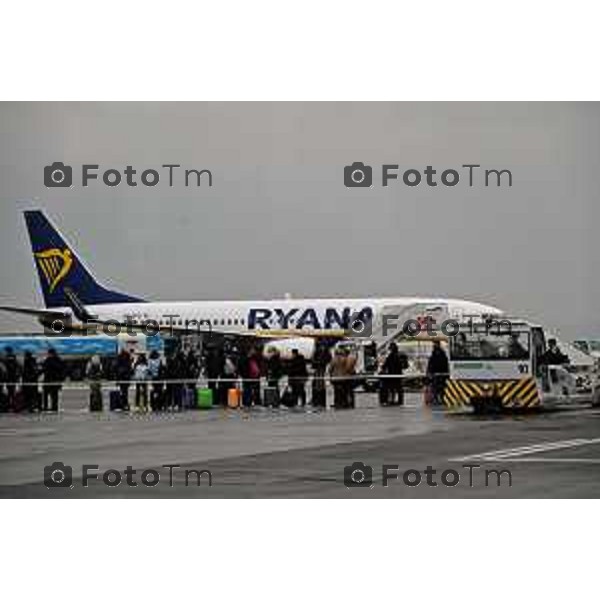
[[96, 400], [271, 396], [115, 400], [3, 402], [156, 397], [288, 399], [204, 398], [18, 401], [233, 398], [189, 398]]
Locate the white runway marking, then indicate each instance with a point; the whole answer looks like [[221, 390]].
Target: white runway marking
[[558, 459], [515, 453], [26, 431]]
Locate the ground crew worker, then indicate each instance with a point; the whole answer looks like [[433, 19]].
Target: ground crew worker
[[53, 369], [515, 349], [437, 372], [553, 355], [393, 366]]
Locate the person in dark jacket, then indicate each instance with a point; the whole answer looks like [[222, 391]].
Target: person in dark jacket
[[13, 374], [29, 377], [320, 363], [321, 359], [553, 355], [274, 368], [438, 371], [214, 362], [124, 371], [393, 367], [53, 369], [298, 374]]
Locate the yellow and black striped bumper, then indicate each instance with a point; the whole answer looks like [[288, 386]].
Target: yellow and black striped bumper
[[514, 393]]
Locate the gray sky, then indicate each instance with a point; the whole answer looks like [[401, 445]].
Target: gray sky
[[278, 218]]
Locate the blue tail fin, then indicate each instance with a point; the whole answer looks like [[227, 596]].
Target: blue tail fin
[[58, 267]]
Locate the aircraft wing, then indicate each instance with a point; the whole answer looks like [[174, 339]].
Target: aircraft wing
[[202, 329], [40, 313]]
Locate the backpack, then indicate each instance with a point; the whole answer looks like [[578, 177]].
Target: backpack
[[229, 367], [253, 369]]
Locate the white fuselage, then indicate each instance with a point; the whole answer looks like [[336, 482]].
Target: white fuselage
[[280, 316]]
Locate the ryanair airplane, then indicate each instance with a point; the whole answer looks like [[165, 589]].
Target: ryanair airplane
[[75, 299]]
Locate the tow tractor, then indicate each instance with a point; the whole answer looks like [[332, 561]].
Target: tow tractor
[[499, 364]]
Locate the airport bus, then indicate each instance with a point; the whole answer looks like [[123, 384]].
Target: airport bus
[[76, 350]]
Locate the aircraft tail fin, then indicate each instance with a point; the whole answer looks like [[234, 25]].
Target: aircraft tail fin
[[60, 268]]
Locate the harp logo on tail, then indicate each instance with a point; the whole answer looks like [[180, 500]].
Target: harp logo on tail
[[55, 264]]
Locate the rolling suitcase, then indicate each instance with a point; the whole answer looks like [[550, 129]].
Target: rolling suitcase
[[233, 398], [189, 398], [288, 399], [18, 401], [3, 401], [271, 396], [96, 401], [155, 400], [204, 398], [114, 400]]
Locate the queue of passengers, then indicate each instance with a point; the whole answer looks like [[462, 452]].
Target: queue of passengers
[[169, 383], [158, 383]]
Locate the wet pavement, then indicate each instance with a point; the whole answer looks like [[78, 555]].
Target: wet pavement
[[302, 453]]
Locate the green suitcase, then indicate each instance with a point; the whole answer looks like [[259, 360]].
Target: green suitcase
[[204, 398]]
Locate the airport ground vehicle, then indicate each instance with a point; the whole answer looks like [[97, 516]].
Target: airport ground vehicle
[[502, 364]]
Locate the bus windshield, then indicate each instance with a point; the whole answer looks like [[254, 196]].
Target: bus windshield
[[490, 345]]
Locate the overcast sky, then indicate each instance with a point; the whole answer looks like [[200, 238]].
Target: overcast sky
[[279, 219]]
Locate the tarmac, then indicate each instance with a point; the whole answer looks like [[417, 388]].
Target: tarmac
[[302, 453]]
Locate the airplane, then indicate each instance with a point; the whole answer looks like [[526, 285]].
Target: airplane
[[74, 298]]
